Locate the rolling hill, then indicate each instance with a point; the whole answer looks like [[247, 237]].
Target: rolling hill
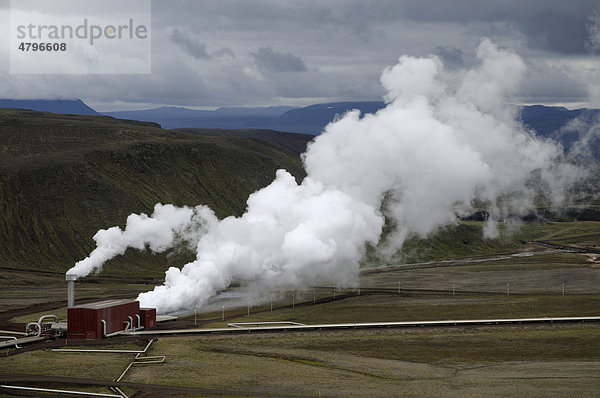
[[63, 177]]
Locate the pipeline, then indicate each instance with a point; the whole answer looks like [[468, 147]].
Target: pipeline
[[37, 326], [116, 333], [107, 351], [89, 394], [16, 343], [460, 322], [127, 328], [11, 332], [142, 361], [245, 324], [40, 321], [117, 389], [33, 332], [22, 340], [137, 360]]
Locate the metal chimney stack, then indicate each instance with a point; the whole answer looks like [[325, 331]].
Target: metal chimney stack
[[71, 278]]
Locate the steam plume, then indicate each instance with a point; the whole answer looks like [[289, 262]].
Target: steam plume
[[444, 139], [167, 226]]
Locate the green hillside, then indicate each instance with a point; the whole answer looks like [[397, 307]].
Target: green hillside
[[63, 177]]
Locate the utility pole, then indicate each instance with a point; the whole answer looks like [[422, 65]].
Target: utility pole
[[293, 300], [223, 313], [453, 289], [563, 289], [508, 288]]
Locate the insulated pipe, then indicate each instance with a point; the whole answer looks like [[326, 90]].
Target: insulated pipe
[[130, 324], [89, 394], [37, 325], [12, 337], [11, 332], [139, 320], [104, 334], [127, 325], [41, 320], [71, 278], [108, 351], [48, 316]]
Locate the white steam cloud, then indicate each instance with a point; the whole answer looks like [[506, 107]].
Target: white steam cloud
[[168, 226], [444, 140]]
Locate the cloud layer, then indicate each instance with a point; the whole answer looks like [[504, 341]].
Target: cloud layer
[[270, 52]]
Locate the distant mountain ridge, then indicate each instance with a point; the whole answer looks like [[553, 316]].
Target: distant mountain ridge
[[546, 121], [66, 106], [227, 117], [555, 123], [309, 119]]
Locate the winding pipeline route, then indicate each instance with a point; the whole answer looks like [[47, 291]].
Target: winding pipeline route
[[554, 249], [147, 390], [567, 248], [366, 325]]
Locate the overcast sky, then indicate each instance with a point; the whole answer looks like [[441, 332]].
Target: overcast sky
[[207, 54]]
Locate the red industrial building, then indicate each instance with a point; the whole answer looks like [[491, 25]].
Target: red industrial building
[[148, 316], [104, 318]]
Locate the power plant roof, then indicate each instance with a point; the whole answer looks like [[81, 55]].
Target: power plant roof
[[104, 304]]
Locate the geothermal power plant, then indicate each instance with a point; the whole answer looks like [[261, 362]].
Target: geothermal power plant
[[108, 318], [95, 320], [104, 318]]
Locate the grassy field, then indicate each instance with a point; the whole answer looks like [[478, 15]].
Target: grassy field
[[466, 240], [385, 308], [389, 363], [551, 361]]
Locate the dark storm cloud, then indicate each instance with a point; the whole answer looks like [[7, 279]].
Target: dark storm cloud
[[189, 44], [543, 83], [552, 25], [549, 25], [194, 47], [268, 59], [593, 29], [239, 52]]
